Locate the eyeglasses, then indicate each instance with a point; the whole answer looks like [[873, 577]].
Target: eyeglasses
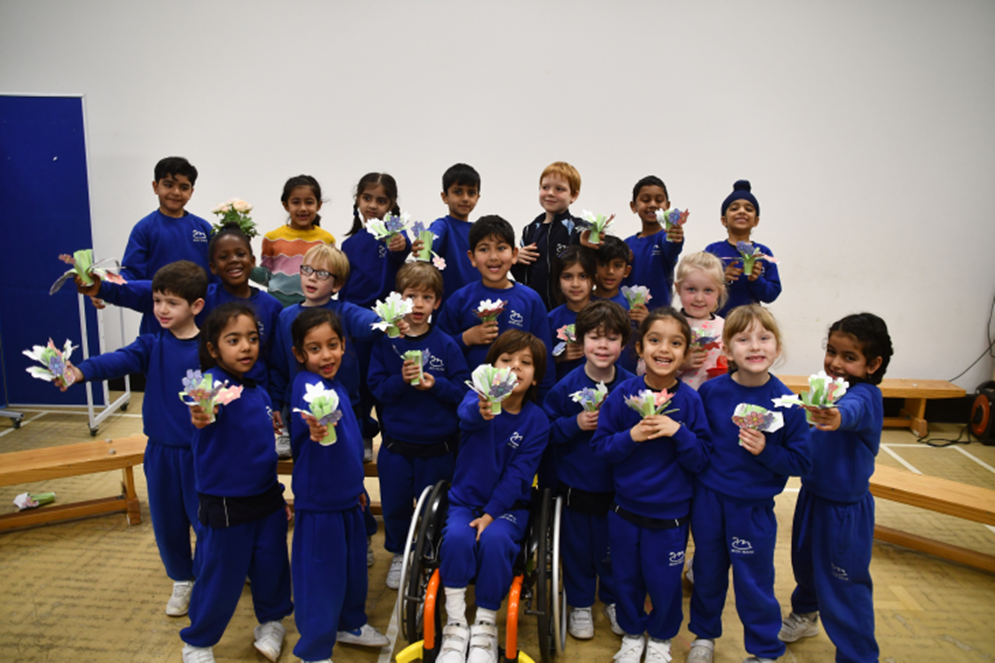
[[320, 274]]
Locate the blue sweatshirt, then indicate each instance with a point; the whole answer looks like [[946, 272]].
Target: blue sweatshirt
[[372, 269], [137, 295], [452, 243], [843, 459], [765, 288], [164, 359], [235, 456], [326, 478], [653, 262], [559, 317], [158, 240], [575, 463], [409, 414], [653, 478], [283, 366], [498, 459], [734, 471], [523, 311]]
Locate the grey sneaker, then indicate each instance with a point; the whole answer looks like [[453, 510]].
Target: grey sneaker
[[367, 449], [796, 626], [269, 639], [193, 654], [179, 603], [283, 445], [394, 574], [631, 650], [609, 611], [581, 623], [483, 644], [364, 636], [658, 651], [702, 651]]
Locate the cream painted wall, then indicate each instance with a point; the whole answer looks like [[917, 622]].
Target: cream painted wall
[[865, 127]]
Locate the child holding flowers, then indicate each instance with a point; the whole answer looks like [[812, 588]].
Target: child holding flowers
[[329, 549], [701, 288], [653, 432], [655, 248], [489, 498], [740, 215], [284, 248], [574, 270], [732, 517], [573, 406]]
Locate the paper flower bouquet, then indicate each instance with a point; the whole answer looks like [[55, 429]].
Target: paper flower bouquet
[[390, 226], [705, 339], [597, 224], [747, 415], [33, 500], [565, 334], [649, 403], [494, 384], [85, 268], [591, 398], [324, 406], [671, 218], [421, 358], [823, 393], [750, 254], [391, 311], [488, 310], [53, 360], [637, 295], [235, 210], [202, 390]]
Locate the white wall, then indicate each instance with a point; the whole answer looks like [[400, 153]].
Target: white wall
[[865, 127]]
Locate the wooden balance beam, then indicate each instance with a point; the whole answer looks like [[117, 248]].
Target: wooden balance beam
[[72, 460], [942, 496], [369, 469], [915, 393]]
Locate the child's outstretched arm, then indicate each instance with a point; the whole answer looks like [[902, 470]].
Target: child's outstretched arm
[[133, 358], [136, 295]]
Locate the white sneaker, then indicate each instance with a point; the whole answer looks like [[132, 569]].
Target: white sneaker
[[367, 449], [658, 651], [631, 650], [757, 659], [455, 641], [283, 449], [609, 611], [179, 603], [483, 644], [193, 654], [394, 574], [369, 552], [581, 623], [702, 651], [364, 636], [796, 626], [269, 639]]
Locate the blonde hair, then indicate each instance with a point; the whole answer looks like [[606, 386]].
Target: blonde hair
[[705, 262], [331, 258], [566, 171], [420, 276], [742, 318]]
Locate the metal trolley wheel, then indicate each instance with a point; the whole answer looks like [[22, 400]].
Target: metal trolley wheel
[[423, 543], [551, 598]]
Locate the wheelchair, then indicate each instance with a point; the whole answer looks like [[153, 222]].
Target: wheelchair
[[536, 587]]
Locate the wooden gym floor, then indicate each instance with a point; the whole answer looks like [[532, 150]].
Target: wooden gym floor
[[95, 590]]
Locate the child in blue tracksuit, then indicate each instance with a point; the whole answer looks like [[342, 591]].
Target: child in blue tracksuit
[[168, 234], [573, 273], [418, 401], [654, 252], [740, 215], [165, 357], [329, 561], [242, 510], [833, 530], [653, 461], [732, 515], [489, 498], [586, 482]]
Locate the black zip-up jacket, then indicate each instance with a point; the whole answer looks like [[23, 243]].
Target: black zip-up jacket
[[564, 230]]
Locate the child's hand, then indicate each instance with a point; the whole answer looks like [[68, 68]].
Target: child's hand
[[417, 246], [574, 351], [586, 241], [733, 272], [98, 303], [277, 422], [481, 523], [410, 371], [650, 428], [318, 431], [91, 291], [77, 374], [527, 254], [199, 416], [362, 502], [638, 313], [752, 440], [696, 359], [485, 408], [290, 512], [482, 334], [403, 327], [676, 234], [587, 420], [396, 243], [826, 420], [758, 270]]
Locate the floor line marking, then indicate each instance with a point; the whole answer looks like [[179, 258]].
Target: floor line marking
[[901, 460], [24, 423], [976, 459]]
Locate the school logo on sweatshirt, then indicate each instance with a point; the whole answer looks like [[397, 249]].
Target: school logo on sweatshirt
[[436, 364], [839, 573], [677, 558], [269, 413], [509, 516], [383, 250], [516, 319], [515, 440], [199, 236], [656, 250], [741, 546]]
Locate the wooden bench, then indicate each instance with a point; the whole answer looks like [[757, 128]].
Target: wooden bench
[[369, 469], [72, 460], [942, 496], [915, 393]]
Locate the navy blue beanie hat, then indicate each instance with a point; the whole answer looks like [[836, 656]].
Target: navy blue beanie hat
[[740, 191]]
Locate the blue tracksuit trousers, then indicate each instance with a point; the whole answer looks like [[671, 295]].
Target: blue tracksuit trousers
[[173, 505], [586, 561], [402, 479]]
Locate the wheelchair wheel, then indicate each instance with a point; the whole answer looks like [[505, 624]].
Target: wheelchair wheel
[[424, 560], [551, 599], [408, 564]]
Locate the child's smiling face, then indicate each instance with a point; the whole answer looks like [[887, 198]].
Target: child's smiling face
[[845, 358], [323, 350], [611, 273], [575, 284], [650, 199], [303, 206], [602, 347], [699, 295], [232, 260], [740, 217], [238, 346], [461, 200], [555, 195], [754, 350], [174, 193], [316, 289], [663, 348], [493, 258]]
